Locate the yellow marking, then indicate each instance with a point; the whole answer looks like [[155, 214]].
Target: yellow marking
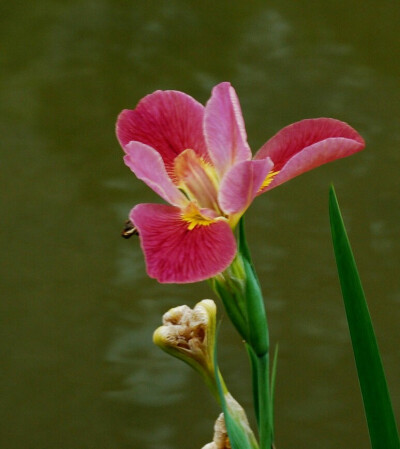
[[269, 178], [210, 170], [194, 217]]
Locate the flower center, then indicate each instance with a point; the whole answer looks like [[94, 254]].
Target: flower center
[[197, 179]]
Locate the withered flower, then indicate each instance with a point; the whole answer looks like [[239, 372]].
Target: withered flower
[[189, 334], [220, 439]]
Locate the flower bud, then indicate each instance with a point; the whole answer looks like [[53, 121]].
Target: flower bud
[[230, 286]]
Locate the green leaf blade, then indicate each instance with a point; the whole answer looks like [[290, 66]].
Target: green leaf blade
[[377, 403]]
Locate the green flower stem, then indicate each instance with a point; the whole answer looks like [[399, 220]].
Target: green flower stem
[[262, 396], [240, 291], [265, 419], [213, 386], [254, 381], [258, 342]]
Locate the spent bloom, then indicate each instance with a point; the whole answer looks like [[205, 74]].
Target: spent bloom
[[237, 414], [189, 335], [220, 439], [198, 160]]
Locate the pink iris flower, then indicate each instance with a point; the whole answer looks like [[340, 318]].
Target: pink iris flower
[[198, 160]]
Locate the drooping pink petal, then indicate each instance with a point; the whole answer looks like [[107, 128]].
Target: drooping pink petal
[[224, 129], [148, 166], [174, 253], [168, 121], [307, 144], [313, 156], [241, 184]]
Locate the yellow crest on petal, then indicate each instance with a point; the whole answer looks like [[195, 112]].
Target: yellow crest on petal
[[269, 178], [194, 217], [197, 179]]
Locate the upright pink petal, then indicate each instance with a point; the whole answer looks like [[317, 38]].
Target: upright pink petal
[[148, 166], [174, 253], [308, 144], [168, 121], [224, 129], [191, 171], [241, 184]]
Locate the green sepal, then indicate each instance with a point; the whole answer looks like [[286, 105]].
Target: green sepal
[[255, 310], [377, 403], [257, 318], [231, 297], [265, 418]]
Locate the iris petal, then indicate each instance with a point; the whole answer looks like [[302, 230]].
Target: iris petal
[[148, 166], [242, 183], [224, 129], [175, 253], [308, 144], [313, 156], [168, 121], [196, 178]]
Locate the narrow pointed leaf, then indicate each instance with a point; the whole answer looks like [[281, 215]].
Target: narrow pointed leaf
[[272, 388], [377, 404]]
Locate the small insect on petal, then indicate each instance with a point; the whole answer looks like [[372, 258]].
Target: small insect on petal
[[129, 230]]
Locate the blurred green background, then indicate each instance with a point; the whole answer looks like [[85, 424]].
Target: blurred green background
[[78, 367]]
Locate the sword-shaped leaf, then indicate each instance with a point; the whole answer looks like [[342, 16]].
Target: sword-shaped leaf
[[377, 404]]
